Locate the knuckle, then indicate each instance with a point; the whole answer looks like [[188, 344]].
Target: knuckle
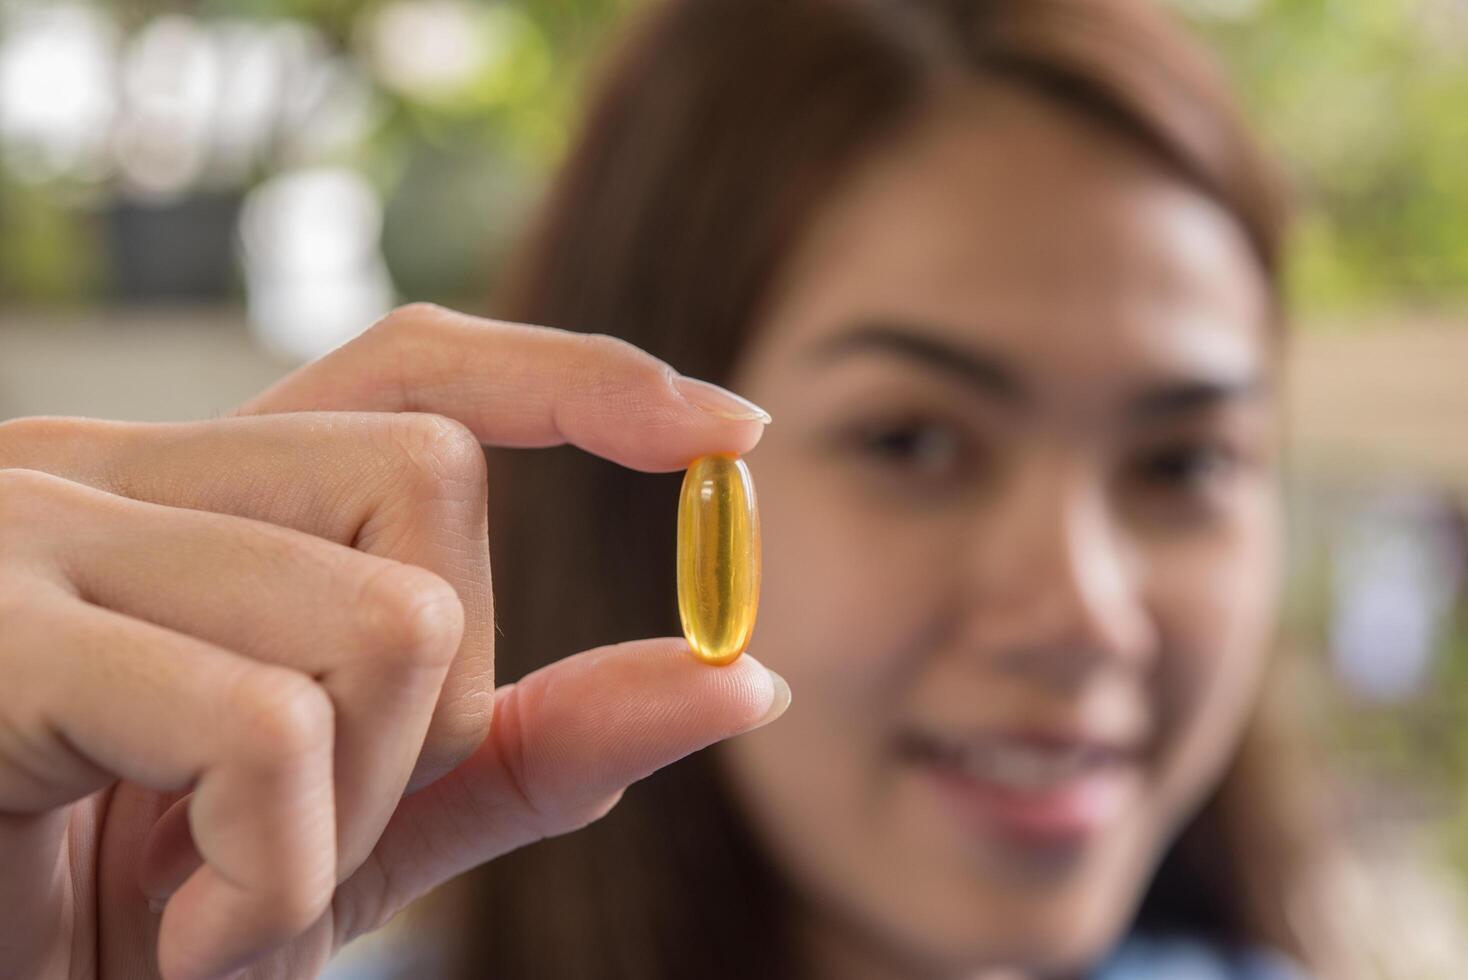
[[36, 511], [297, 902], [66, 445], [413, 615], [604, 345], [19, 438], [441, 456], [15, 600], [406, 318], [599, 349], [18, 493], [19, 435], [283, 715], [27, 496], [19, 483], [607, 363]]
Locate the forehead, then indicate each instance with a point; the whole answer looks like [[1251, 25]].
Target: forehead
[[1006, 221]]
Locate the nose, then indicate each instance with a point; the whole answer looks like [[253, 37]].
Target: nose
[[1056, 587]]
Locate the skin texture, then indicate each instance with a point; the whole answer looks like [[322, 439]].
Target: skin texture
[[230, 647], [1079, 535]]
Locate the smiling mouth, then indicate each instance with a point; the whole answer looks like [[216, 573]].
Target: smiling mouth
[[1025, 789], [1025, 764]]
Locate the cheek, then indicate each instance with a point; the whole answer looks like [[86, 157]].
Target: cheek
[[1215, 603]]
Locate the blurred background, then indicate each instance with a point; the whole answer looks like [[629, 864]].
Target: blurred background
[[195, 197]]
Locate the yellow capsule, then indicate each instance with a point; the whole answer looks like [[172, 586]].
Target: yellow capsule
[[718, 557]]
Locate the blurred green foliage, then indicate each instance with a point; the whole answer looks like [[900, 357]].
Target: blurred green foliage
[[1364, 100]]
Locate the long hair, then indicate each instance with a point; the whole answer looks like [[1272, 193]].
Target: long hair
[[712, 138]]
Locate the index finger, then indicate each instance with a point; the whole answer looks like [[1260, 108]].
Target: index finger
[[524, 386]]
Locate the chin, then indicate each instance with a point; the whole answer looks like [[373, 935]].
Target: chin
[[1043, 933]]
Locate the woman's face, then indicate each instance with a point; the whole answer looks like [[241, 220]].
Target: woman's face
[[1020, 532]]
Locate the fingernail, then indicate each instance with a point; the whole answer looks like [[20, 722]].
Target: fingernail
[[719, 401], [780, 702]]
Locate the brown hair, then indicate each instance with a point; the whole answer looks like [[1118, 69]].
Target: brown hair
[[712, 139]]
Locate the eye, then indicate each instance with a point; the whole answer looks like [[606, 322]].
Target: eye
[[1185, 465], [1190, 473], [924, 446], [913, 456]]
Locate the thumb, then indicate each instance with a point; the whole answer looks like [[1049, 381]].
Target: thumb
[[562, 746]]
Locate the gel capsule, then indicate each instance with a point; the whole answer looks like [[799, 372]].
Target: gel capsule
[[718, 557]]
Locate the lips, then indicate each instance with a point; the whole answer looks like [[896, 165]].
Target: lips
[[1027, 789]]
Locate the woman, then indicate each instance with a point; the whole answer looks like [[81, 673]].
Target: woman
[[1007, 277], [1006, 273]]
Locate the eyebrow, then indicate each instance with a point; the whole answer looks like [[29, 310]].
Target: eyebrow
[[985, 372], [994, 376], [1170, 399]]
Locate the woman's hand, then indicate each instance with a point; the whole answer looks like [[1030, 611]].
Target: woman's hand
[[229, 648]]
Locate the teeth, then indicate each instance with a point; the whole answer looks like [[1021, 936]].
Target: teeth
[[1023, 767], [1009, 763]]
